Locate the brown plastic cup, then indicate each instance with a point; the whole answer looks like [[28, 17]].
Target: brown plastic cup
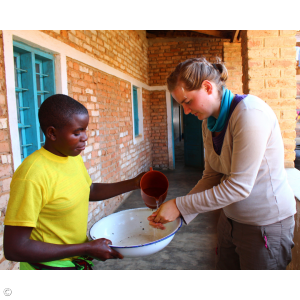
[[154, 188]]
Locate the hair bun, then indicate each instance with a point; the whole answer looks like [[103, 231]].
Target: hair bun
[[193, 71], [219, 66]]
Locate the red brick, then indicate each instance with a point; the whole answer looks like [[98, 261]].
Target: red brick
[[281, 83], [279, 63], [4, 147], [5, 170], [262, 33]]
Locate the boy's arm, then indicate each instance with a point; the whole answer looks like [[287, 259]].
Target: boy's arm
[[19, 247], [103, 191]]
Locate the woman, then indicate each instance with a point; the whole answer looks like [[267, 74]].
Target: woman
[[244, 171]]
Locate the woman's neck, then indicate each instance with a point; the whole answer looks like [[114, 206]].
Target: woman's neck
[[217, 101]]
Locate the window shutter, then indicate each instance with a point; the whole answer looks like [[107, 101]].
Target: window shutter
[[35, 82]]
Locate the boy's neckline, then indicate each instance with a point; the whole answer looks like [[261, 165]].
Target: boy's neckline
[[54, 157]]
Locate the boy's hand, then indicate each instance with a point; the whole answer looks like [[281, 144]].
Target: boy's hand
[[99, 249], [137, 179]]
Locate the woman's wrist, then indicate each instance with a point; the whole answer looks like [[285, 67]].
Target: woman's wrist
[[177, 207]]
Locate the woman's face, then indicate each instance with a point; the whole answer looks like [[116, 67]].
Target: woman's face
[[202, 103]]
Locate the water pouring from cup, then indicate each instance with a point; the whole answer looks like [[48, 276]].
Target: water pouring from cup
[[154, 188]]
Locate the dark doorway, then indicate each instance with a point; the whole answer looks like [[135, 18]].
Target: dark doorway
[[193, 142], [187, 138]]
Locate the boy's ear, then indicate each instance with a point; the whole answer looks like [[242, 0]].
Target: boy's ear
[[51, 133]]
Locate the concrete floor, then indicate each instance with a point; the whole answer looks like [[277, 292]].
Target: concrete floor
[[193, 246]]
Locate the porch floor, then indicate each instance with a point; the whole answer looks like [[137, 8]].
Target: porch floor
[[193, 246]]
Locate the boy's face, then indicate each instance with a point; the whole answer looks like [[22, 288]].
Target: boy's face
[[70, 140]]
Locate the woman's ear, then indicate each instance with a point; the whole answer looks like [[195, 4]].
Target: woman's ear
[[207, 86], [51, 133]]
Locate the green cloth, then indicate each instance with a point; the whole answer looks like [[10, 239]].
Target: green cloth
[[58, 264]]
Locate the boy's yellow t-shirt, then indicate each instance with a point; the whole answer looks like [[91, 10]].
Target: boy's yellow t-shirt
[[51, 194]]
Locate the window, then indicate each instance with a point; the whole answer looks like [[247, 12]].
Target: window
[[34, 82], [136, 112]]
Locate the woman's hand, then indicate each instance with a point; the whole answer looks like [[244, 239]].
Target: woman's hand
[[167, 212], [100, 250]]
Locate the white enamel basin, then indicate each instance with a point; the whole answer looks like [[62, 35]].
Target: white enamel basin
[[131, 234]]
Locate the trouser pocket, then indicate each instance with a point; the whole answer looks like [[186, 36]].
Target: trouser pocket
[[278, 240], [267, 242]]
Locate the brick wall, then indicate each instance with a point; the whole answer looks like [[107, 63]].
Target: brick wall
[[269, 73], [298, 95], [159, 131], [165, 54], [124, 50], [233, 63], [110, 154], [6, 168]]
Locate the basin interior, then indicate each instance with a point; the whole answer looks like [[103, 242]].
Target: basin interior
[[131, 228]]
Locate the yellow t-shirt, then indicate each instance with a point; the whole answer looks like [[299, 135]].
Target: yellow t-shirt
[[51, 194]]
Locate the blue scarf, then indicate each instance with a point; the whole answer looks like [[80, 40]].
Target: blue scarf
[[217, 125]]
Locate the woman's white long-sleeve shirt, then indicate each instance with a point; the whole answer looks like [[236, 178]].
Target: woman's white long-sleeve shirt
[[247, 179]]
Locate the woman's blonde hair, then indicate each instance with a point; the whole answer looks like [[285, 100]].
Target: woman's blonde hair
[[194, 71]]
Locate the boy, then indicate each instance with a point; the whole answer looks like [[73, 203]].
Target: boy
[[46, 219]]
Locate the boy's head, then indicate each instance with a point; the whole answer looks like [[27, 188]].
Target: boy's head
[[63, 121], [58, 111]]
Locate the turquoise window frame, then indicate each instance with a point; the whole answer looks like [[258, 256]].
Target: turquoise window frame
[[20, 106], [135, 111], [34, 83]]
